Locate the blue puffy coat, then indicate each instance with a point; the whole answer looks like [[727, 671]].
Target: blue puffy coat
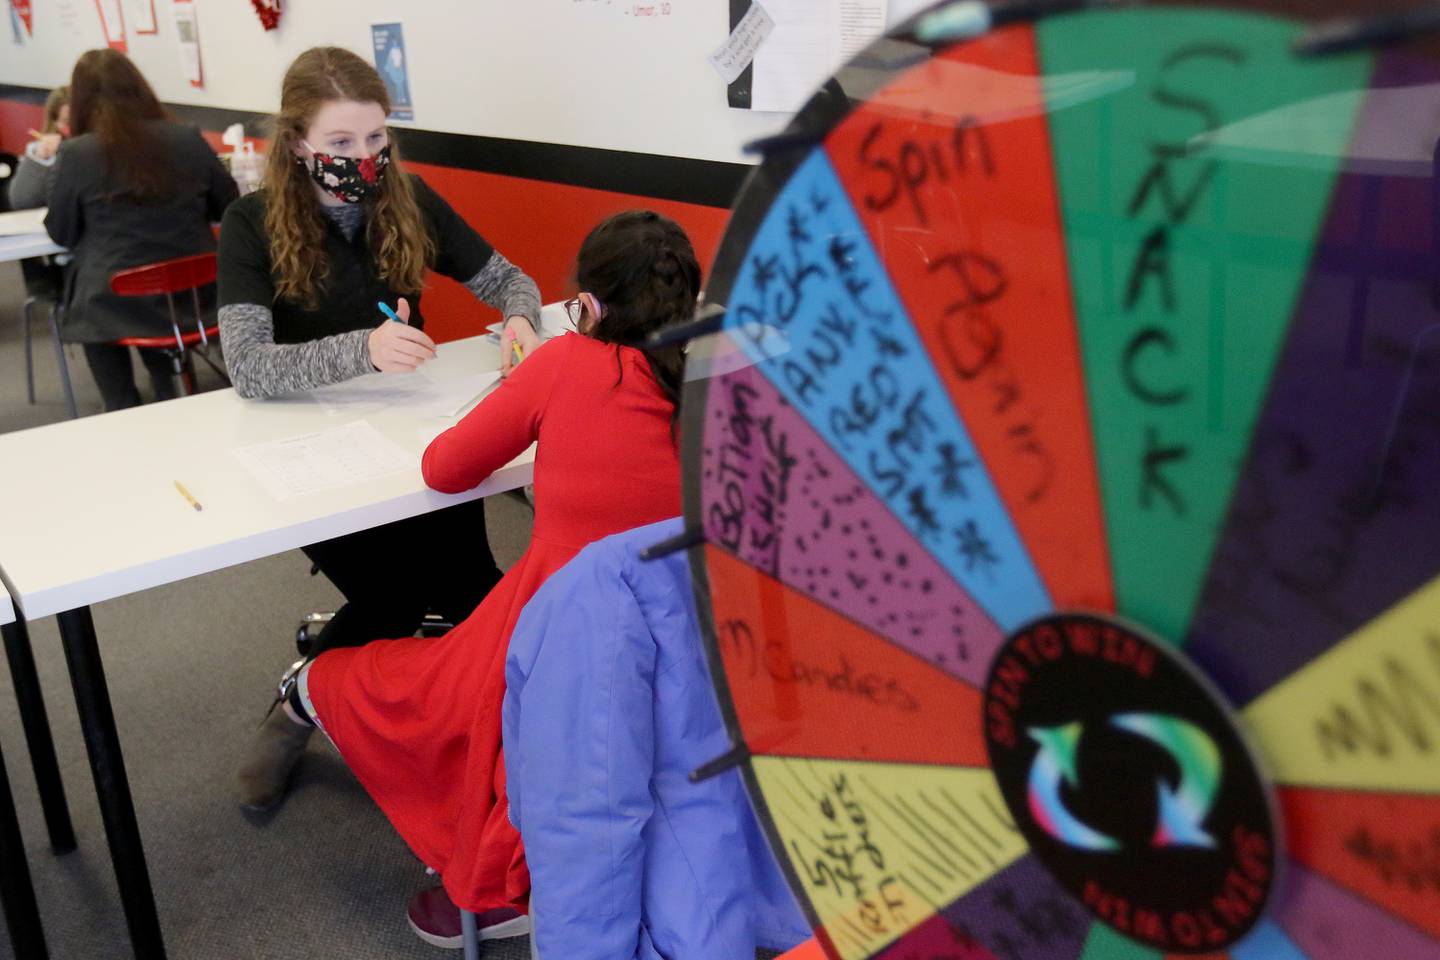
[[608, 708]]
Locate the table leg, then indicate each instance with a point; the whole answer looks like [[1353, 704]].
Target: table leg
[[37, 736], [112, 787], [17, 896]]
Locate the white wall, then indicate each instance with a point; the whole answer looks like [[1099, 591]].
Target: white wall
[[581, 72]]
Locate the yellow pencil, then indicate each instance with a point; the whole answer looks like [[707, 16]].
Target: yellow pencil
[[517, 350], [186, 494]]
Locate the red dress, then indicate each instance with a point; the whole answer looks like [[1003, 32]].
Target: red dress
[[418, 720]]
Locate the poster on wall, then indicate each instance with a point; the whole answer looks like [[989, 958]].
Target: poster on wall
[[187, 31], [68, 15], [21, 20], [142, 16], [112, 23], [389, 41]]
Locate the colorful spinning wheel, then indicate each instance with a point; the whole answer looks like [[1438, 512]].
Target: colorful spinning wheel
[[1068, 466]]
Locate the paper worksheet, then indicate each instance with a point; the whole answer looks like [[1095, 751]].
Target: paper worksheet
[[376, 391], [450, 398], [314, 462], [438, 389], [810, 40], [739, 49]]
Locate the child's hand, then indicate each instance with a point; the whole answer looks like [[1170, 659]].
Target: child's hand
[[399, 347], [519, 330]]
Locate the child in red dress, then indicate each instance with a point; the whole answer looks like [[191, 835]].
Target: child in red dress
[[419, 720]]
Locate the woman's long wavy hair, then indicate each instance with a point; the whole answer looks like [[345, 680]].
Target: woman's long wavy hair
[[110, 98], [58, 99], [396, 232], [642, 268]]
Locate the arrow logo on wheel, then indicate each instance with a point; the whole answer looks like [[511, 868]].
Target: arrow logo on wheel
[[1054, 764], [1182, 809]]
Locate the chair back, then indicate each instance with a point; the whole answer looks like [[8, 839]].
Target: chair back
[[165, 277]]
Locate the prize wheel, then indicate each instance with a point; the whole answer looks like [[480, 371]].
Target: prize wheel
[[1065, 464]]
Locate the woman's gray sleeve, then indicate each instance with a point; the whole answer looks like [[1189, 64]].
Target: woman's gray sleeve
[[505, 287], [27, 185], [260, 367]]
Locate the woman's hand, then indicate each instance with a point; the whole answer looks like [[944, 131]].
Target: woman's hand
[[519, 330], [399, 347], [47, 146]]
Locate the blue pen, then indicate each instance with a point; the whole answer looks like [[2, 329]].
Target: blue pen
[[389, 313]]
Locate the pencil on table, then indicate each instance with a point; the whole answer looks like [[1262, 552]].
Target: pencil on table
[[186, 494]]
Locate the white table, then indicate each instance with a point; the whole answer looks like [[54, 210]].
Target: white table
[[28, 245], [106, 484], [17, 896], [22, 235]]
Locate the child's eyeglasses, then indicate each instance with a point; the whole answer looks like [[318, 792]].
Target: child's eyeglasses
[[581, 304]]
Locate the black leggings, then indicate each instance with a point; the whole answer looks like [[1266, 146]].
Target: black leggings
[[392, 576], [115, 376]]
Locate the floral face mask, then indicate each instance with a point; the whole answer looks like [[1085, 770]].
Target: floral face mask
[[347, 178]]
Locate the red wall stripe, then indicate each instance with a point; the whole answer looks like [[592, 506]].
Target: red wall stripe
[[17, 119]]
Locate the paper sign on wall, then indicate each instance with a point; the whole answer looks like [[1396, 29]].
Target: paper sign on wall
[[731, 59], [112, 23], [187, 30], [810, 40], [67, 15], [21, 16], [389, 41], [142, 16]]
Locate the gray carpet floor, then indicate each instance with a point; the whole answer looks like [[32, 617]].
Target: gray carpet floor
[[190, 668]]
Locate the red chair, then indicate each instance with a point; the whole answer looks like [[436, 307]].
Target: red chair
[[169, 277]]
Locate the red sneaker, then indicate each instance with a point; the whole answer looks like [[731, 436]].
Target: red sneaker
[[436, 920]]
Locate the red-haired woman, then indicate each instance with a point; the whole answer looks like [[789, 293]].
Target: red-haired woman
[[336, 227]]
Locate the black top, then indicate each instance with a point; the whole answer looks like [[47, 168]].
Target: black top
[[108, 232], [352, 288]]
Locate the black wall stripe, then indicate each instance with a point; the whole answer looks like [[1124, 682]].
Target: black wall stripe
[[706, 182]]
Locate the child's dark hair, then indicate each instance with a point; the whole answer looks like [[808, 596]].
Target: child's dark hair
[[642, 268]]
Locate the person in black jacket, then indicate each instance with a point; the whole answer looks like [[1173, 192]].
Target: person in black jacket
[[130, 187]]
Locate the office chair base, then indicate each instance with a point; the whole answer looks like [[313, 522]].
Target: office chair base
[[311, 624]]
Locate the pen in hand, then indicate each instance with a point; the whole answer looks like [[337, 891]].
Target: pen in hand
[[396, 345], [186, 494]]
